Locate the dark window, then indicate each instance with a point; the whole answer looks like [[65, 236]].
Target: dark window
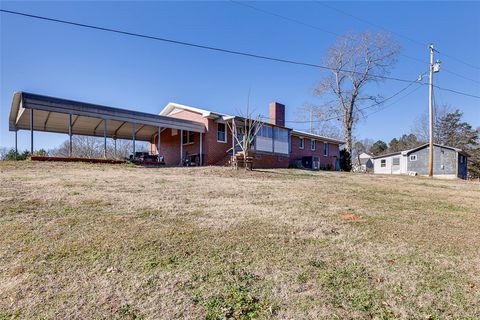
[[221, 132], [325, 149], [301, 143], [383, 163], [313, 145], [188, 137]]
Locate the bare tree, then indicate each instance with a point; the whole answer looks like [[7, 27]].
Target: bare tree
[[92, 147], [244, 135], [421, 126], [355, 61], [314, 119]]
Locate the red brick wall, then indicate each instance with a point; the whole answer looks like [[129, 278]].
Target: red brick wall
[[213, 150], [266, 160], [297, 153]]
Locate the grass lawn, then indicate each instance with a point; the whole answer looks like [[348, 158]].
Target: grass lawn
[[117, 242]]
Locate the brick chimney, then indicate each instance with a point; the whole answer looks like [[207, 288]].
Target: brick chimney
[[277, 114]]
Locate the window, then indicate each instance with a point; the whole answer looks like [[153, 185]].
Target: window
[[325, 149], [462, 158], [301, 143], [281, 135], [188, 137], [396, 161], [413, 157], [313, 145], [265, 131], [383, 163], [221, 132]]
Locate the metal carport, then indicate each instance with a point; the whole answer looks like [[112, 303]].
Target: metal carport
[[43, 113]]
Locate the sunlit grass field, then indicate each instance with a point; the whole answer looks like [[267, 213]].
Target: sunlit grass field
[[119, 242]]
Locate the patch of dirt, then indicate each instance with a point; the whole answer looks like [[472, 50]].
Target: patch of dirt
[[348, 216]]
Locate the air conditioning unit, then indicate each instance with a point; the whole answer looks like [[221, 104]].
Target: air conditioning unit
[[316, 163]]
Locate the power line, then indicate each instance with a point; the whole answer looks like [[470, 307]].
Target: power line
[[387, 106], [190, 44], [364, 108], [305, 24], [217, 49], [457, 92], [396, 33], [393, 103], [248, 5]]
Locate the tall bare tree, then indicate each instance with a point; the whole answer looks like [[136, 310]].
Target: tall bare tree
[[356, 60]]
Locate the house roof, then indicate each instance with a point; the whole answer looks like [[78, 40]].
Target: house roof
[[407, 152], [171, 106], [316, 136]]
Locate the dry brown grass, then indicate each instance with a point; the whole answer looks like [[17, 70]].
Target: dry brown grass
[[104, 241]]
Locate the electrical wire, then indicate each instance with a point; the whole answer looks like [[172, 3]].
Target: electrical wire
[[250, 6], [217, 49], [396, 33], [189, 44]]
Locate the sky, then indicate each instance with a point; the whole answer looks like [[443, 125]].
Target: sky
[[120, 71]]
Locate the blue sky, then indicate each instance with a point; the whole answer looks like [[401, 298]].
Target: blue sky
[[115, 70]]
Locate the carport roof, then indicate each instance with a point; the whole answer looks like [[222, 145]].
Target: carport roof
[[52, 115]]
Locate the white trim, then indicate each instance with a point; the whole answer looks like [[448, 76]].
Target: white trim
[[171, 106], [413, 157]]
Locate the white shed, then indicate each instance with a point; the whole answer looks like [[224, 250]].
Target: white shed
[[392, 163]]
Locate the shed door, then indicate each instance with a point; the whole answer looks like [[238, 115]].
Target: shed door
[[396, 165]]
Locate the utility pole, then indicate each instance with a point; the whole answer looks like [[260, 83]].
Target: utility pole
[[434, 68], [430, 114]]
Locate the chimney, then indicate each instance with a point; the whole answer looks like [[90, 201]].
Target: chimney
[[277, 114]]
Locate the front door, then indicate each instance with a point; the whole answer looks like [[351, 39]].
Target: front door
[[396, 165]]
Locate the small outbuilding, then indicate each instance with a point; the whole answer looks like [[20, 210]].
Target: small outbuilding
[[448, 162], [363, 162]]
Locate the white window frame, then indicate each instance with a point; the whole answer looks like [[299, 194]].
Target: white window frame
[[413, 157], [313, 144], [383, 163], [325, 151], [225, 126], [301, 143]]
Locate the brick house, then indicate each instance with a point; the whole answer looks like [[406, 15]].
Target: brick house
[[275, 146]]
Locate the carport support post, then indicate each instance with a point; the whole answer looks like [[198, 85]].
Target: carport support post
[[105, 138], [70, 135], [16, 144], [158, 144], [181, 147], [201, 150], [133, 133], [115, 148], [31, 132]]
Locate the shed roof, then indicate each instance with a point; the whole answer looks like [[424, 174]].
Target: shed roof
[[52, 115], [407, 152]]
